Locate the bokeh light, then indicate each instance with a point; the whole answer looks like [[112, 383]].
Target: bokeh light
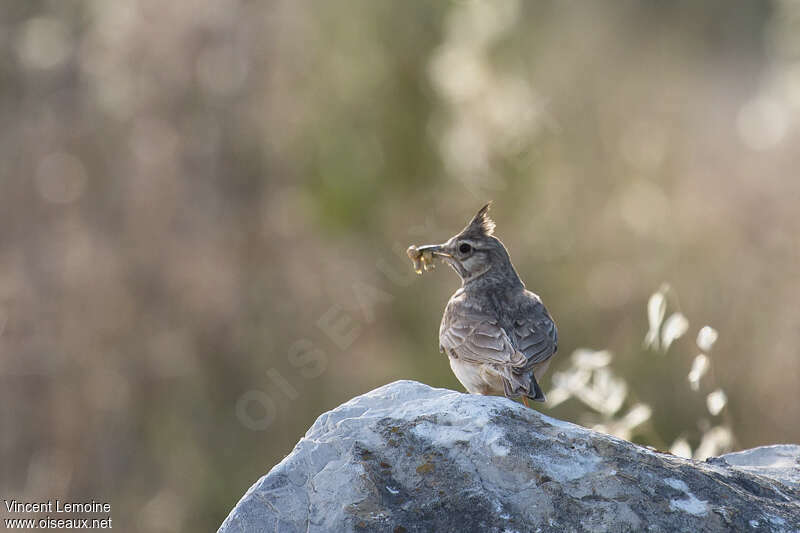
[[204, 209]]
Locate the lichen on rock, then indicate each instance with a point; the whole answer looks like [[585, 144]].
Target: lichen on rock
[[410, 458]]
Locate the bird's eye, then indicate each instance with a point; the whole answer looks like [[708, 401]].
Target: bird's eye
[[464, 248]]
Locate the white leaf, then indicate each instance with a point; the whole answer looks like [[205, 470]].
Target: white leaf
[[674, 328], [656, 309], [557, 396], [681, 448], [699, 368], [623, 427], [638, 415], [572, 380], [591, 359], [715, 441], [706, 338], [716, 401], [606, 394]]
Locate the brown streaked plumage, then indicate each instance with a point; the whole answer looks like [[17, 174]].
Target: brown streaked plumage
[[498, 336]]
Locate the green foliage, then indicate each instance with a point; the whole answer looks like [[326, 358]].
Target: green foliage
[[203, 201]]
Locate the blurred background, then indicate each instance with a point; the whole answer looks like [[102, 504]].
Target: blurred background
[[204, 207]]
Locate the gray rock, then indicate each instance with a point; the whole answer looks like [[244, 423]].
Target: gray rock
[[407, 457]]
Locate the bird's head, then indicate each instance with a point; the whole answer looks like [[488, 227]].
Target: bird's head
[[475, 253]]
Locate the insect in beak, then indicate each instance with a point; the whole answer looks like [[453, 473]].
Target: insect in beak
[[422, 256]]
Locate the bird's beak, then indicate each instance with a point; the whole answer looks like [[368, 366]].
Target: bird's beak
[[435, 249]]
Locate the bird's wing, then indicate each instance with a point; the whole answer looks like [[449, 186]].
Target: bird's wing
[[477, 338], [535, 335]]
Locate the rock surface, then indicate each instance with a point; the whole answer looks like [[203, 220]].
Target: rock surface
[[407, 457]]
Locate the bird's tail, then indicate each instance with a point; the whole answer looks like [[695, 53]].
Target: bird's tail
[[523, 384], [538, 395]]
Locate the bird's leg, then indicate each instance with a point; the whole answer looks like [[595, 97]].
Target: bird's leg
[[525, 401]]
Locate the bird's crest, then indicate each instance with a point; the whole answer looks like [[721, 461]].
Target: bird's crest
[[482, 224]]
